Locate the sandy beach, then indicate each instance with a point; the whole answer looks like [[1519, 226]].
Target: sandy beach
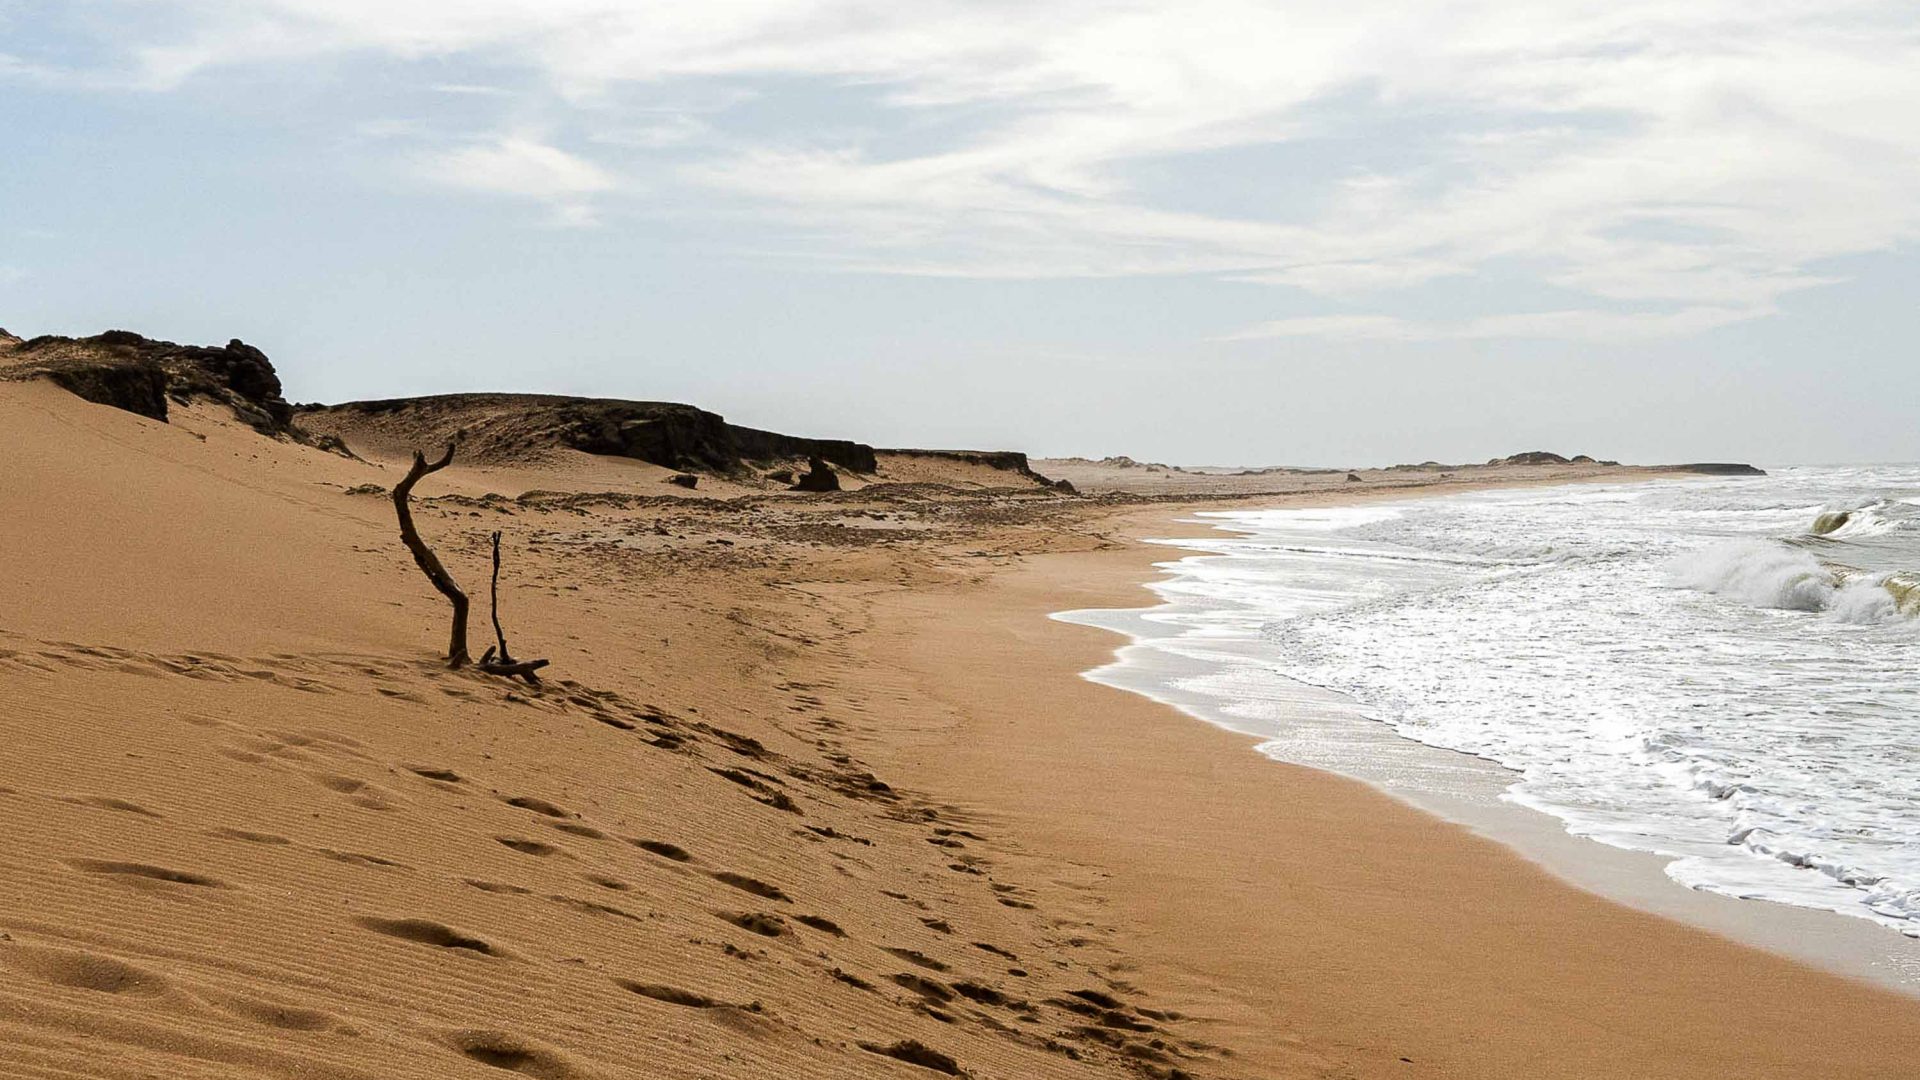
[[813, 788]]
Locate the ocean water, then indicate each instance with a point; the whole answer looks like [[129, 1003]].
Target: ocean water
[[1721, 671]]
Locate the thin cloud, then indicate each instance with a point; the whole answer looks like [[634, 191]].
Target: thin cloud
[[517, 165], [1575, 324], [1673, 166]]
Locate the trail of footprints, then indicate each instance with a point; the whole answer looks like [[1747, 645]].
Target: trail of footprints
[[1076, 1024]]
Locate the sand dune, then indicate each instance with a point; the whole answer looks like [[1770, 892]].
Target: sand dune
[[260, 830]]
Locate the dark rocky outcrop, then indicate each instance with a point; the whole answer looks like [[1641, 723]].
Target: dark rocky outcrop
[[506, 427], [142, 375], [1531, 457], [819, 477], [1720, 468]]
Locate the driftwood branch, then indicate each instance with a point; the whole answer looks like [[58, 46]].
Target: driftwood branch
[[523, 668], [502, 662], [423, 555]]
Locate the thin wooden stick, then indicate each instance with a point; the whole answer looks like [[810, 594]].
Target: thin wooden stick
[[503, 662], [493, 604]]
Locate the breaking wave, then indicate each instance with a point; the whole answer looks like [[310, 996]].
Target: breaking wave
[[1771, 574]]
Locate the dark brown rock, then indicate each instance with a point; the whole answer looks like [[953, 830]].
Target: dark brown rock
[[820, 477], [127, 371]]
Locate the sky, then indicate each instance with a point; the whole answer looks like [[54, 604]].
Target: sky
[[1203, 232]]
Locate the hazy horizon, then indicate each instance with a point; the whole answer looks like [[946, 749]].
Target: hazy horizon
[[1207, 233]]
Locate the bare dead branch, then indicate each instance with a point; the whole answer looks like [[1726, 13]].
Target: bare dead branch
[[523, 668], [423, 555], [501, 662], [493, 603]]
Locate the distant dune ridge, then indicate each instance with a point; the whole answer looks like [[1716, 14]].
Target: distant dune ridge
[[811, 789], [519, 427], [142, 375]]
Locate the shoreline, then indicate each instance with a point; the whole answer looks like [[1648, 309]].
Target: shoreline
[[814, 783], [1468, 790], [1324, 925]]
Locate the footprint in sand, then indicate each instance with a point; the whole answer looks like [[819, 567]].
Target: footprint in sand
[[673, 995], [246, 837], [752, 885], [514, 1054], [913, 956], [143, 872], [757, 921], [361, 792], [427, 932], [359, 858], [663, 849], [932, 990], [577, 829], [274, 1014], [497, 887], [915, 1053], [103, 802], [84, 971], [538, 806]]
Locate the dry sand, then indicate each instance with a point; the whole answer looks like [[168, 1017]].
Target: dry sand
[[813, 790]]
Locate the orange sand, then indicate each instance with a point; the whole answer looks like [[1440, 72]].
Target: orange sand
[[825, 799]]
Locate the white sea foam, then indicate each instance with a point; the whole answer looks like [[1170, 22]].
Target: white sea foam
[[1760, 572], [1683, 668]]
